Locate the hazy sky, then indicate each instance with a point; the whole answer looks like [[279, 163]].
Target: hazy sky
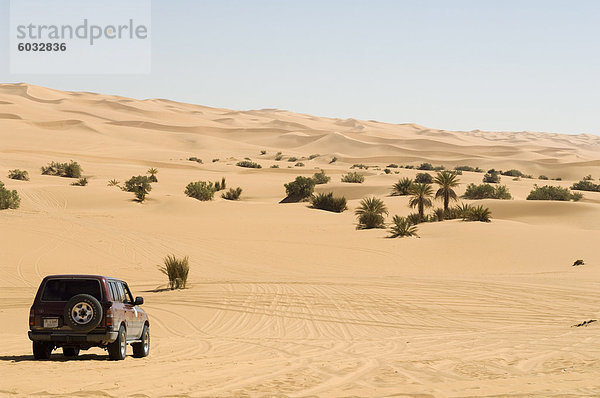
[[450, 64]]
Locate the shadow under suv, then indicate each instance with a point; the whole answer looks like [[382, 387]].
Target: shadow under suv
[[77, 312]]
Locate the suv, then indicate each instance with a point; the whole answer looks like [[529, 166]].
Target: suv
[[77, 312]]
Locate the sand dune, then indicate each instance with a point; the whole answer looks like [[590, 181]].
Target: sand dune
[[285, 300]]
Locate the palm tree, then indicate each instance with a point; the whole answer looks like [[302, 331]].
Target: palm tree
[[152, 171], [421, 194], [370, 213], [446, 180], [402, 187], [402, 227]]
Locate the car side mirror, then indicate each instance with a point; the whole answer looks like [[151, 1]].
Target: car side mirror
[[139, 300]]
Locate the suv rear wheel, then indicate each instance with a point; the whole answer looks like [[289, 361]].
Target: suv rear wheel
[[42, 350], [118, 349], [142, 349]]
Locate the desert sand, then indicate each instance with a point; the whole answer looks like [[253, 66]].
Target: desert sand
[[285, 300]]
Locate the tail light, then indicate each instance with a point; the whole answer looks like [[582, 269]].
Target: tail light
[[109, 318], [31, 317]]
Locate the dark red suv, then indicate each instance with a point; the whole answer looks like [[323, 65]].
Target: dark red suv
[[77, 312]]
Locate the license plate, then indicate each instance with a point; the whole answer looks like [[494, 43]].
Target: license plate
[[50, 322]]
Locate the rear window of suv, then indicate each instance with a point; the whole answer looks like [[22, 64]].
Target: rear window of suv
[[64, 289]]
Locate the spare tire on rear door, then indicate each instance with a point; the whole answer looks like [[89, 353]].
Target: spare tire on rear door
[[83, 313]]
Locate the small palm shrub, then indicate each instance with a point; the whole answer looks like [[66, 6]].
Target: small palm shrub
[[462, 210], [333, 160], [478, 213], [69, 170], [82, 182], [177, 270], [200, 190], [371, 213], [279, 156], [415, 218], [139, 185], [402, 227], [232, 194], [321, 178], [328, 202], [152, 171], [424, 178], [402, 187], [299, 190], [8, 199], [195, 159], [549, 192], [439, 214], [353, 177], [249, 164], [263, 152], [17, 174], [113, 183]]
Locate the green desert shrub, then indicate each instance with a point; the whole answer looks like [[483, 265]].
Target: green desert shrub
[[425, 166], [424, 178], [215, 160], [326, 201], [491, 177], [8, 199], [139, 185], [195, 159], [468, 168], [543, 177], [513, 173], [586, 185], [478, 213], [220, 185], [353, 177], [333, 160], [402, 227], [153, 172], [274, 166], [278, 157], [548, 192], [249, 164], [232, 194], [299, 190], [293, 159], [402, 187], [82, 182], [314, 155], [359, 166], [371, 213], [17, 174], [69, 170], [321, 178], [387, 171], [200, 190], [299, 164], [263, 152], [487, 191], [392, 166], [177, 270]]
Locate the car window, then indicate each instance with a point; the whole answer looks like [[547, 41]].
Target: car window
[[64, 289], [120, 291], [128, 296], [113, 294]]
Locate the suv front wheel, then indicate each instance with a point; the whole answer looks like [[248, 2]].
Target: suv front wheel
[[142, 349], [118, 349]]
